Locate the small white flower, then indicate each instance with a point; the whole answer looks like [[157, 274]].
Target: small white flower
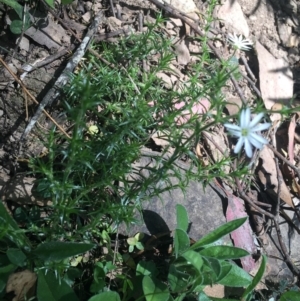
[[246, 132], [239, 43]]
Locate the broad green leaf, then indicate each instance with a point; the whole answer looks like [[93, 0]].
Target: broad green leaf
[[182, 217], [65, 2], [181, 241], [17, 26], [236, 277], [210, 271], [213, 264], [16, 256], [50, 3], [256, 278], [52, 251], [203, 297], [194, 258], [6, 269], [49, 288], [146, 268], [223, 299], [290, 296], [224, 252], [155, 290], [15, 5], [132, 241], [218, 233], [181, 297], [178, 281], [226, 267], [106, 296]]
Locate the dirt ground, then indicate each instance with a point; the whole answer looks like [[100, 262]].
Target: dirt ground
[[273, 23]]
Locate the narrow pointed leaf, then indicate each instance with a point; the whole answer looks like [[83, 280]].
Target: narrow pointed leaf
[[182, 217], [224, 252], [218, 233], [256, 278]]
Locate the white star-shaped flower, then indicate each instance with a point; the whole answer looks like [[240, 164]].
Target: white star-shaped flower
[[247, 132], [239, 43]]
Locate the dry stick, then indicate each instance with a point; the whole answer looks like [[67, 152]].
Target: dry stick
[[252, 83], [178, 14], [281, 157], [54, 92], [285, 254], [32, 97], [112, 8], [248, 68]]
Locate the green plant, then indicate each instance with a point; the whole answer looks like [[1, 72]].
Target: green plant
[[191, 268], [23, 23]]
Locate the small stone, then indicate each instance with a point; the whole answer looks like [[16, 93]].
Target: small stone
[[87, 17], [169, 25], [24, 44], [176, 21]]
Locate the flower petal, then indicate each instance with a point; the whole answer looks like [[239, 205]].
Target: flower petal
[[232, 127], [248, 148], [258, 138], [256, 143], [256, 120], [245, 118], [239, 145], [261, 127]]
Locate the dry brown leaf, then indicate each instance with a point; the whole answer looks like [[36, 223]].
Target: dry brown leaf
[[168, 81], [160, 138], [219, 140], [182, 52], [21, 284], [216, 291], [52, 36], [268, 176], [291, 134]]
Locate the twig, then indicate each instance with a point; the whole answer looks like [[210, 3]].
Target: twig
[[252, 83], [54, 92], [285, 254], [281, 157], [112, 8], [248, 68], [32, 97]]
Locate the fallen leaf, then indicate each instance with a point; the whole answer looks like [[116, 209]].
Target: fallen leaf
[[291, 134], [243, 236], [52, 36], [182, 52], [21, 284], [268, 176]]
